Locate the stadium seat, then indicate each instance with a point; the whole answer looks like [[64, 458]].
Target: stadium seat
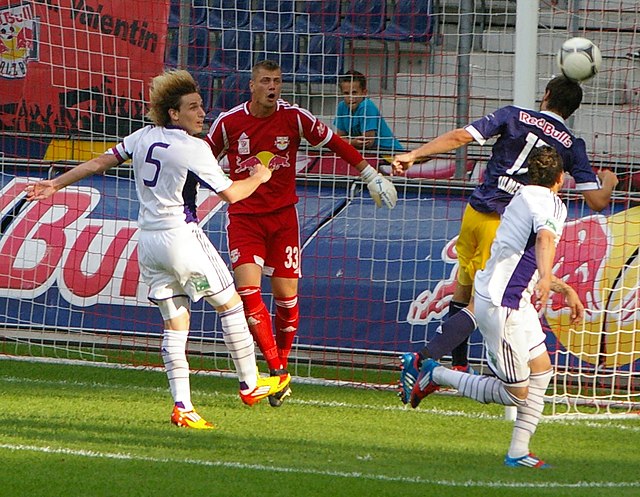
[[205, 80], [318, 17], [234, 91], [228, 14], [197, 14], [234, 53], [363, 18], [197, 49], [281, 48], [322, 60], [273, 15], [410, 21]]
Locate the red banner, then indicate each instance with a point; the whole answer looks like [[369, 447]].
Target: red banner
[[78, 65]]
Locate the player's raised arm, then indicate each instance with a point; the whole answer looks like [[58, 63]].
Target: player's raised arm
[[45, 188], [439, 145], [599, 199]]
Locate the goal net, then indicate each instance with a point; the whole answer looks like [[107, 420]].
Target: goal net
[[73, 81]]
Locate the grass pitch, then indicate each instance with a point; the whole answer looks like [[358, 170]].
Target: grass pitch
[[74, 430]]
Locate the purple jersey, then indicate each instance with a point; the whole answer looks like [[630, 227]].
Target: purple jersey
[[519, 131]]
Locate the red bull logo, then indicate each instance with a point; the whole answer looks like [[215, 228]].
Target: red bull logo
[[56, 242], [598, 257], [16, 40], [547, 128], [433, 305], [282, 142], [247, 164], [267, 159]]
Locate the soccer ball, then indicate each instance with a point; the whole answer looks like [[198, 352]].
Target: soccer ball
[[579, 59]]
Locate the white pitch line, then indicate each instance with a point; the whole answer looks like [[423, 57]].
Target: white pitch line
[[339, 474], [583, 422]]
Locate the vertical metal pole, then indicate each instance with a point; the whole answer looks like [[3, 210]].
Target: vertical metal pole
[[467, 21], [183, 33], [525, 66], [525, 76], [574, 27]]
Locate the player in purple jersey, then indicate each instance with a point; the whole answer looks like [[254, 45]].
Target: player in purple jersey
[[518, 131], [518, 277]]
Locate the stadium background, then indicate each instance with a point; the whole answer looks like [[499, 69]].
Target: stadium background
[[73, 79]]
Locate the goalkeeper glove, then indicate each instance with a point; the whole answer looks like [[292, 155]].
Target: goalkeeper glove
[[380, 188]]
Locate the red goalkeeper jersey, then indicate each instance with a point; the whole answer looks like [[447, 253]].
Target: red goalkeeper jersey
[[273, 141]]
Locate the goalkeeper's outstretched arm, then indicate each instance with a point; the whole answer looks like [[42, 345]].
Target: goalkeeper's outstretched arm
[[380, 188]]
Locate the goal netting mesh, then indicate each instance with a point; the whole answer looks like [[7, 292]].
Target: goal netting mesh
[[73, 81]]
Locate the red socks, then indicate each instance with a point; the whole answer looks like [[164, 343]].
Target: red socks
[[287, 321], [259, 321]]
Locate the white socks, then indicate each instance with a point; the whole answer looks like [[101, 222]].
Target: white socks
[[485, 389], [529, 414], [239, 341], [174, 355]]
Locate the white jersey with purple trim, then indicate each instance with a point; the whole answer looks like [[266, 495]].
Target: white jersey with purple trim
[[511, 272], [168, 165]]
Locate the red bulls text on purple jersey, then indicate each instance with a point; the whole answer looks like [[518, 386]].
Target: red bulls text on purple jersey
[[518, 131]]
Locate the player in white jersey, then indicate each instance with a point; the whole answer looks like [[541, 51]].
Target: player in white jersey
[[177, 261], [518, 272]]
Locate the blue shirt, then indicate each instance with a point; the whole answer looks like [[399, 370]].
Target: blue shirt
[[518, 131], [366, 118]]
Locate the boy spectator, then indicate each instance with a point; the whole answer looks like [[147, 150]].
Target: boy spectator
[[359, 121]]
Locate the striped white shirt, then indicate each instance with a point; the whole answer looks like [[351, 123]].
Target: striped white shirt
[[168, 165], [511, 272]]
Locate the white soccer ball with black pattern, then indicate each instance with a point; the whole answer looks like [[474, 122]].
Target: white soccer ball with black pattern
[[579, 59]]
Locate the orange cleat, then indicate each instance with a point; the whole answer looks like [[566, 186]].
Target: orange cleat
[[265, 387], [189, 419]]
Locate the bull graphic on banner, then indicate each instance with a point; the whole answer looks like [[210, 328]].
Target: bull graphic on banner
[[82, 82], [597, 256], [16, 40], [81, 244]]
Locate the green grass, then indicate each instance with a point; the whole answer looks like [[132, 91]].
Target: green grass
[[384, 374], [87, 431]]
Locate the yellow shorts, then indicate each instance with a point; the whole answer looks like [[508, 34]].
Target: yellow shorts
[[474, 242]]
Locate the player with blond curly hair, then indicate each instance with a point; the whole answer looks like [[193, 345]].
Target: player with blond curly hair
[[177, 261]]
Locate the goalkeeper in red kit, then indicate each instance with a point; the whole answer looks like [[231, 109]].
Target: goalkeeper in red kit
[[263, 230]]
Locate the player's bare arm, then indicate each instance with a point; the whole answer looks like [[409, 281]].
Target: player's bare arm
[[571, 296], [599, 199], [443, 143], [545, 253], [45, 188], [241, 189]]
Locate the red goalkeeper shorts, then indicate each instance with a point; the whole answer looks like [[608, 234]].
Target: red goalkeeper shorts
[[270, 240]]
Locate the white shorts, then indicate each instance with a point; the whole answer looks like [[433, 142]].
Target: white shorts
[[512, 338], [182, 261]]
